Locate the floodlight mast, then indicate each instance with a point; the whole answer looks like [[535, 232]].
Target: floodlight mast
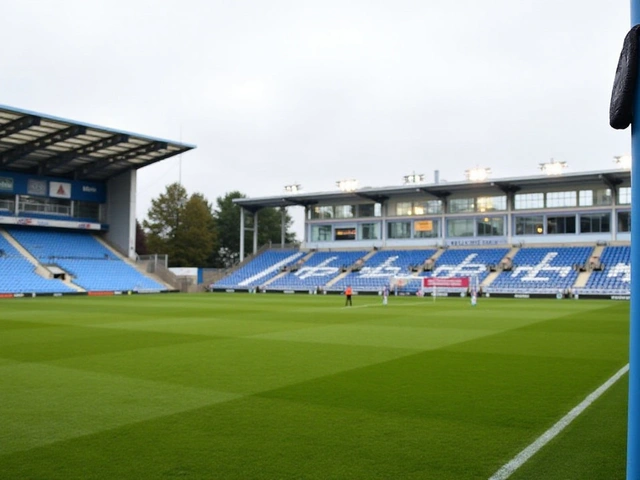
[[477, 174], [347, 185], [633, 429], [553, 167], [623, 161], [293, 188], [413, 178]]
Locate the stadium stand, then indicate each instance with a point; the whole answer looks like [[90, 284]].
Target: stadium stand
[[467, 263], [317, 271], [92, 265], [19, 274], [260, 269], [381, 267], [543, 270], [614, 275]]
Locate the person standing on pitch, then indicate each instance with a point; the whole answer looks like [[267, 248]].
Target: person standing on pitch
[[385, 295], [348, 292], [474, 297]]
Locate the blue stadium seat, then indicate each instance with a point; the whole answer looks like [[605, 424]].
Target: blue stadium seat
[[92, 265], [19, 275], [260, 269], [382, 267], [548, 270], [317, 271], [615, 277]]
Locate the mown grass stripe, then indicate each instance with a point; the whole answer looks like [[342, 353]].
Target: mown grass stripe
[[516, 462]]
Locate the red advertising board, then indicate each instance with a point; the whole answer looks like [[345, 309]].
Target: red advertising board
[[446, 282]]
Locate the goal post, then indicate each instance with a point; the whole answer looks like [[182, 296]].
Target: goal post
[[431, 286], [406, 285]]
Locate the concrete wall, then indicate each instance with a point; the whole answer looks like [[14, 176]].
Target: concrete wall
[[121, 212]]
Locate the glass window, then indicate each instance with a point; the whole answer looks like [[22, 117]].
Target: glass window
[[429, 207], [87, 210], [399, 229], [586, 198], [491, 204], [560, 225], [490, 226], [595, 223], [345, 233], [320, 233], [403, 208], [624, 221], [624, 196], [460, 227], [600, 196], [526, 201], [321, 212], [561, 199], [369, 231], [426, 228], [460, 205], [345, 211], [370, 210], [530, 225]]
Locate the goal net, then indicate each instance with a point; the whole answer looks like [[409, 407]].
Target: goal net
[[406, 285], [432, 286]]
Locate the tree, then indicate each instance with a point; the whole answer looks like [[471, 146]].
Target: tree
[[164, 219], [227, 216], [141, 240], [196, 237]]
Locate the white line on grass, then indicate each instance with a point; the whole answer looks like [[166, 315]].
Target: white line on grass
[[516, 462], [395, 305]]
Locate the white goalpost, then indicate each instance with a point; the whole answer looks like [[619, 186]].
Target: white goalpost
[[406, 285], [434, 286]]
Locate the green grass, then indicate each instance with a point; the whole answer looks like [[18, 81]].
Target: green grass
[[298, 387]]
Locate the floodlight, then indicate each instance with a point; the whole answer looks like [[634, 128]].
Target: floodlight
[[347, 185], [477, 174], [294, 188], [623, 161], [413, 178], [553, 167]]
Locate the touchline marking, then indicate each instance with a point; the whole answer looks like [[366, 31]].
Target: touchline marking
[[516, 462]]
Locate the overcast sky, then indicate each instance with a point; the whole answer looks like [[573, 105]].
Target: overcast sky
[[277, 92]]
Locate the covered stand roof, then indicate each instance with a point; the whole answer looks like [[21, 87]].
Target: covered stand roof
[[40, 144], [608, 178]]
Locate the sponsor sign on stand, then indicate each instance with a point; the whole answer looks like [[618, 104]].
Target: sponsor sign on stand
[[59, 189], [37, 187], [447, 282], [6, 184], [7, 220]]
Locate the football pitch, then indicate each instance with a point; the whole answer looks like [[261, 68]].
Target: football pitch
[[237, 386]]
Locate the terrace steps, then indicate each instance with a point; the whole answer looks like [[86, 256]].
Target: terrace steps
[[490, 278], [280, 275], [583, 278], [337, 279], [24, 252]]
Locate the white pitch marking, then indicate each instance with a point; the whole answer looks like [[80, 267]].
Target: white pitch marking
[[516, 462], [366, 305]]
